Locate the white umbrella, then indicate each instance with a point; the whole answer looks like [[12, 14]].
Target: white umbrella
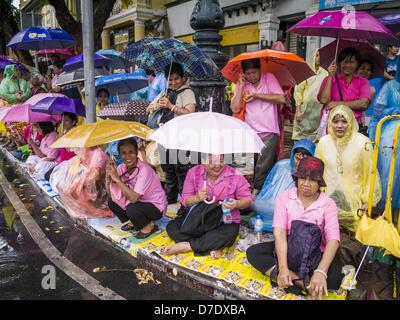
[[208, 132]]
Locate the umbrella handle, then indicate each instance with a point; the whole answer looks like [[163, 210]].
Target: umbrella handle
[[213, 198], [211, 103]]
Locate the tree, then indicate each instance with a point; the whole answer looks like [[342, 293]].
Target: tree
[[8, 28], [101, 12]]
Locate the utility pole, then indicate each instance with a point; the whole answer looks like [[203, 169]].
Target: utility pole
[[33, 24], [88, 59]]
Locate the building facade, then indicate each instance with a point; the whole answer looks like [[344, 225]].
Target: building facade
[[251, 25]]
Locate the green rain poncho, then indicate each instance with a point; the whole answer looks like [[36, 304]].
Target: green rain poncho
[[305, 95], [10, 86], [348, 167]]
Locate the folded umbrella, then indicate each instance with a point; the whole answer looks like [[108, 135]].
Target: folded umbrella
[[37, 38], [117, 61], [121, 83], [208, 132], [67, 78], [59, 105], [98, 133], [77, 62], [24, 113], [287, 67], [367, 51]]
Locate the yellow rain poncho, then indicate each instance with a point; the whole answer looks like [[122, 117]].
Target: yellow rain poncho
[[305, 95], [348, 164]]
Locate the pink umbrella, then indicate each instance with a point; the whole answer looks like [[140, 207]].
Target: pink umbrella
[[24, 113], [357, 25], [62, 53], [367, 51], [40, 96]]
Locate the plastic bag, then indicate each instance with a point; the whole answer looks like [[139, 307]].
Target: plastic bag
[[323, 125], [80, 183]]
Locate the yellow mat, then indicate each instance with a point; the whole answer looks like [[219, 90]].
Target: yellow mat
[[232, 267]]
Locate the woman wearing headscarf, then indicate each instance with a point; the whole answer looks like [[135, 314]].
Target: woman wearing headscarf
[[347, 155], [13, 89], [308, 108]]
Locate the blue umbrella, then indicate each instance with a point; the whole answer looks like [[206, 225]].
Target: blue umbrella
[[392, 21], [58, 105], [76, 62], [117, 61], [121, 83], [37, 38], [156, 54]]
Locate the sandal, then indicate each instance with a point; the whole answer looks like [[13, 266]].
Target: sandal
[[127, 227], [141, 235]]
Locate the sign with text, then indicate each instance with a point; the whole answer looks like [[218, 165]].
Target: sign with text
[[327, 4]]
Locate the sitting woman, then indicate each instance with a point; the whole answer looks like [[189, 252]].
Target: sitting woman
[[280, 179], [80, 183], [45, 157], [307, 237], [347, 156], [24, 150], [225, 183], [135, 190], [69, 121]]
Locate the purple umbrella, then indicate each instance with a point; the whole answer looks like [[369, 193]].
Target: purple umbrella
[[357, 25], [76, 62], [392, 21], [5, 61], [58, 105]]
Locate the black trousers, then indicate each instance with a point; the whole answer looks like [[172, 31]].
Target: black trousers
[[139, 213], [175, 174], [261, 257], [222, 237]]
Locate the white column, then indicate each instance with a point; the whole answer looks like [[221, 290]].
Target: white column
[[268, 26], [313, 43]]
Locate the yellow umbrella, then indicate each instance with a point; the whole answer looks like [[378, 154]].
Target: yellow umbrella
[[98, 133]]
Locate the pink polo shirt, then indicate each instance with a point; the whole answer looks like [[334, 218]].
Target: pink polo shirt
[[322, 212], [262, 115], [358, 88], [230, 184], [45, 144], [145, 182]]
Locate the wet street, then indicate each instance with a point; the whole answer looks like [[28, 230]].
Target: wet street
[[22, 261]]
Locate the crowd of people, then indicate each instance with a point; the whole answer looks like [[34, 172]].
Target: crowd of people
[[307, 199]]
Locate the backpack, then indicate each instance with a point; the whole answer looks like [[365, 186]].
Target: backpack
[[304, 252], [162, 116]]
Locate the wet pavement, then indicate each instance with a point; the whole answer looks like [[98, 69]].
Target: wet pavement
[[22, 261]]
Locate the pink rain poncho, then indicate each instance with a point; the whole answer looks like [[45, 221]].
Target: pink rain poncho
[[80, 183]]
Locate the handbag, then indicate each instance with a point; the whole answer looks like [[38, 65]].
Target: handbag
[[201, 218], [240, 114]]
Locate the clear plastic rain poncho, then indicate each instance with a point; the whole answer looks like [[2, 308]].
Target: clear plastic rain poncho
[[387, 102], [80, 183], [9, 86], [348, 165], [279, 179], [305, 95]]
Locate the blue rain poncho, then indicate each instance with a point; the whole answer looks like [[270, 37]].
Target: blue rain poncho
[[279, 179]]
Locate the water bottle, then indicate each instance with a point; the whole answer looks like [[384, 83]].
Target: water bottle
[[226, 213], [258, 227]]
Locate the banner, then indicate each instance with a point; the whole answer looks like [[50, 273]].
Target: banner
[[327, 4]]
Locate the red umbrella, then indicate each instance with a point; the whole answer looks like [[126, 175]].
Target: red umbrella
[[287, 67], [367, 51], [62, 53]]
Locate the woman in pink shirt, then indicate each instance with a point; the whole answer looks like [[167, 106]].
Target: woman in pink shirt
[[343, 87], [45, 157], [216, 180], [135, 191], [306, 228]]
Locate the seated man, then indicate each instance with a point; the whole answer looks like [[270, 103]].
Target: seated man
[[280, 179], [223, 183], [307, 237]]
